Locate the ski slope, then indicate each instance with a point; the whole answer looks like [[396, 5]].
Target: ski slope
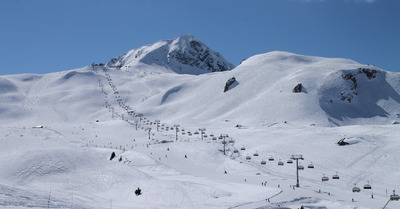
[[58, 131]]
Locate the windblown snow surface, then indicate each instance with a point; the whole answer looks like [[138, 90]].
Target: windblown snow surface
[[58, 131]]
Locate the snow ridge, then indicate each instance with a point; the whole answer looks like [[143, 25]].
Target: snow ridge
[[185, 55], [58, 130]]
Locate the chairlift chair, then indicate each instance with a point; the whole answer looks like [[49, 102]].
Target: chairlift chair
[[243, 148], [235, 151], [263, 162], [255, 154], [248, 158], [325, 178], [300, 167], [367, 186], [290, 161], [356, 189], [280, 163], [394, 197], [271, 158], [310, 165], [336, 176]]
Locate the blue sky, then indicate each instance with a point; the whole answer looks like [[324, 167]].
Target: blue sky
[[42, 36]]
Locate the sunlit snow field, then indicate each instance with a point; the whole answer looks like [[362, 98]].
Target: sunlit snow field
[[58, 131]]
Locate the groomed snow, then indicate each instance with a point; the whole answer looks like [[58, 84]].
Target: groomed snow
[[86, 115]]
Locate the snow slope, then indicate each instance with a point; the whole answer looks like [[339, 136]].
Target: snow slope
[[184, 54], [89, 113]]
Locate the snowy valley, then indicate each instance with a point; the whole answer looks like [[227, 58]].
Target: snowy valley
[[193, 131]]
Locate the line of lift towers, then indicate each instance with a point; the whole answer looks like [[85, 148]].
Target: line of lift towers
[[393, 197]]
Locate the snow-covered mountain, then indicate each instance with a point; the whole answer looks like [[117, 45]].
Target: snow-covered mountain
[[185, 54], [333, 92], [58, 130]]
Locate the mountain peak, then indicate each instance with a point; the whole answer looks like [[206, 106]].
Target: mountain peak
[[184, 54]]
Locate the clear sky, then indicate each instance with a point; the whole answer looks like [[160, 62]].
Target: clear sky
[[42, 36]]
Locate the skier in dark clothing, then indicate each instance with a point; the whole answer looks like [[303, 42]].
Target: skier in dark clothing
[[138, 191]]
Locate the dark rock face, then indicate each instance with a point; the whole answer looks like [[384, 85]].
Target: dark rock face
[[353, 88], [370, 73], [298, 88], [341, 142], [229, 83], [198, 55], [112, 156]]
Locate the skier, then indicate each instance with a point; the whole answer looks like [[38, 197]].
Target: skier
[[138, 191]]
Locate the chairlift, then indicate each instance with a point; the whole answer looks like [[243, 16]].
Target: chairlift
[[235, 151], [336, 176], [230, 141], [290, 161], [271, 158], [394, 196], [263, 162], [300, 167], [255, 154], [310, 165], [243, 148], [367, 186], [196, 132], [248, 158], [356, 189], [325, 178], [280, 163]]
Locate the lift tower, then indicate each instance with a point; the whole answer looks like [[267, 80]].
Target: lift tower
[[297, 157]]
